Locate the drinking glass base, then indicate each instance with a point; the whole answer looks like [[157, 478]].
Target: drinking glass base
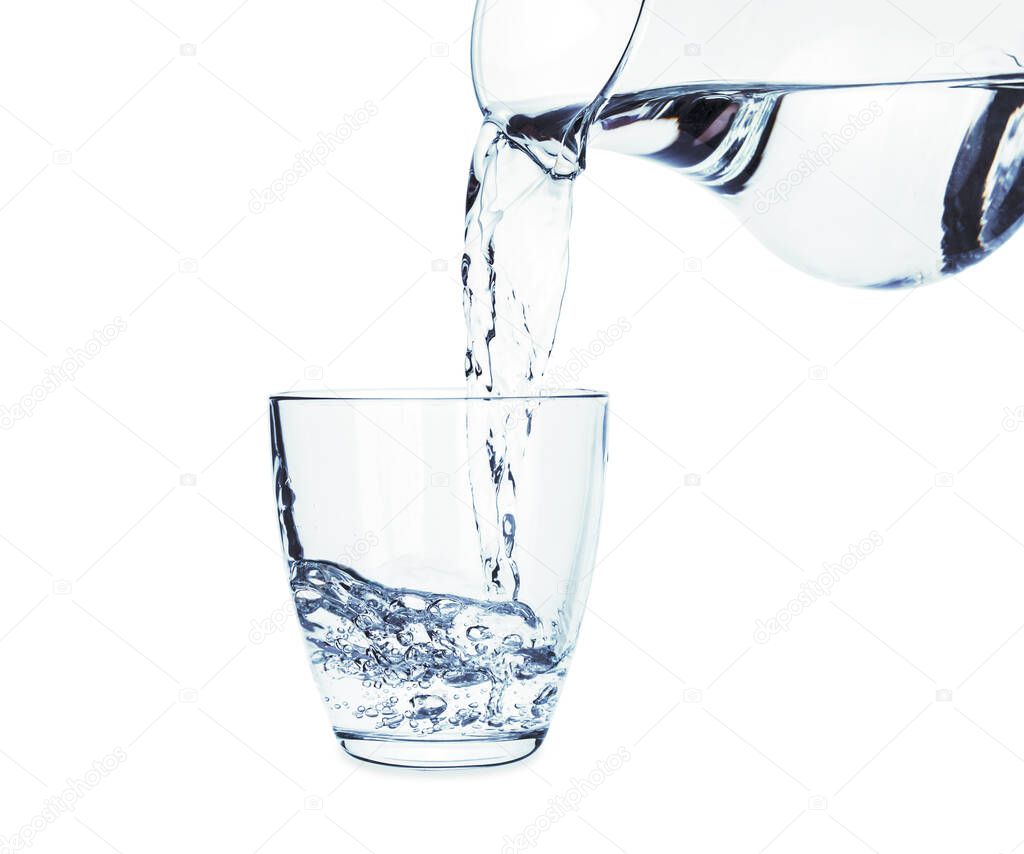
[[461, 753]]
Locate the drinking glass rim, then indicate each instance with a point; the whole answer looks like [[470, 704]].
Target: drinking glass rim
[[429, 395]]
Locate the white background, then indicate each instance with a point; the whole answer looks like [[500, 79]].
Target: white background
[[137, 530]]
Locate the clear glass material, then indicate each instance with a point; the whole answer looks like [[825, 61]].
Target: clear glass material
[[874, 143], [584, 51], [419, 659]]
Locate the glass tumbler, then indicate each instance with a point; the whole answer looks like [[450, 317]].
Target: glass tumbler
[[390, 506]]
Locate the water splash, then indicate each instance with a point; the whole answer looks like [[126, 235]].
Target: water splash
[[414, 664]]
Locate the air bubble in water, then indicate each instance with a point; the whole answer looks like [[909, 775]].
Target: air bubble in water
[[427, 706]]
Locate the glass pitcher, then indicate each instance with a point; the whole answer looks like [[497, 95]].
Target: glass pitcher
[[874, 143]]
